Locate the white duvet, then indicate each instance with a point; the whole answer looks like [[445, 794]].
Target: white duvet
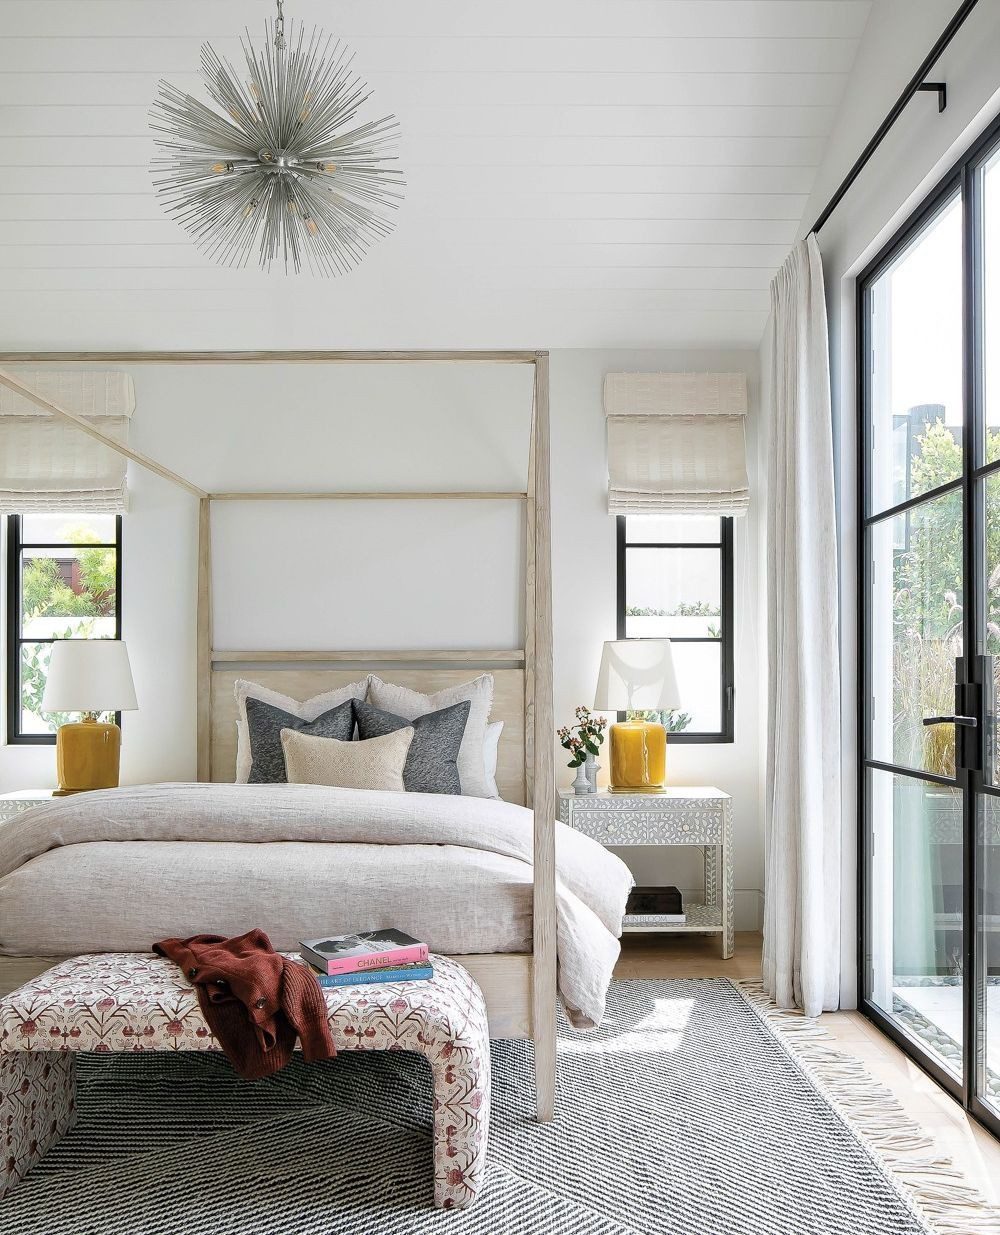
[[117, 869]]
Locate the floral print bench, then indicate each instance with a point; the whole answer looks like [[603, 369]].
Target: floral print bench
[[132, 1002]]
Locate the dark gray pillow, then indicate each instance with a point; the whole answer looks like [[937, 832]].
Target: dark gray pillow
[[264, 725], [432, 763]]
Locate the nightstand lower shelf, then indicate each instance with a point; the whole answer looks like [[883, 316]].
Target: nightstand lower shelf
[[701, 920]]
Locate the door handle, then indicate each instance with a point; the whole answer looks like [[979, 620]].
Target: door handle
[[970, 722]]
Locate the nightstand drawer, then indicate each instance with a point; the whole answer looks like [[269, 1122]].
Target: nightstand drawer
[[687, 823]]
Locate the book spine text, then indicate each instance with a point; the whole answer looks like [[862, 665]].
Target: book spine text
[[374, 975]]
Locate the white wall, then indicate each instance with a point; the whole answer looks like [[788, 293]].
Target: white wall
[[921, 147], [365, 427]]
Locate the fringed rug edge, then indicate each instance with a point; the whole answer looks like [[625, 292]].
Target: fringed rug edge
[[936, 1189]]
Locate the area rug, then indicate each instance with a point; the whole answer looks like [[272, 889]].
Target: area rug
[[694, 1110]]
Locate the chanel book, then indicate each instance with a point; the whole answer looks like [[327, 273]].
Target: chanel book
[[333, 954]]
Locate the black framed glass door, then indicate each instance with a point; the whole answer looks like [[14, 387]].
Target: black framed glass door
[[929, 609]]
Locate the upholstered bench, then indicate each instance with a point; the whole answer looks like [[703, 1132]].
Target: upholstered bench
[[131, 1002]]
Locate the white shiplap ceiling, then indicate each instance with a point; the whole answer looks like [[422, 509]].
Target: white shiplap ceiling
[[581, 173]]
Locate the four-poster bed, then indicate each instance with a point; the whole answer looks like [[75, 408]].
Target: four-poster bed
[[520, 988]]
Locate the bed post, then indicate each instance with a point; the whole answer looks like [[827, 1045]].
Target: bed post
[[542, 790], [529, 617], [204, 639]]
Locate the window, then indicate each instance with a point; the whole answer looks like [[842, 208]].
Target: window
[[675, 581], [63, 582]]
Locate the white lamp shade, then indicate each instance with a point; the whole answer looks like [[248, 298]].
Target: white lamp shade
[[637, 675], [89, 675]]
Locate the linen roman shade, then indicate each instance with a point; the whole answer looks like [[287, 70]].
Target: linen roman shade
[[46, 463], [677, 443]]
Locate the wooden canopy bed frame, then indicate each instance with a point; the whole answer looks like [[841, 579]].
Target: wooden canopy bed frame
[[520, 989]]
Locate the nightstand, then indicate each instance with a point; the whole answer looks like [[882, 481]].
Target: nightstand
[[12, 804], [682, 816]]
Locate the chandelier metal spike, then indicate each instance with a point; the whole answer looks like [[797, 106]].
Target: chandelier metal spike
[[285, 168]]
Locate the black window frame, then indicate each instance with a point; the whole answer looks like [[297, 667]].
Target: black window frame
[[726, 640], [15, 546]]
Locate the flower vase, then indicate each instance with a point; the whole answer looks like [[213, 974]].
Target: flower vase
[[592, 767], [581, 785]]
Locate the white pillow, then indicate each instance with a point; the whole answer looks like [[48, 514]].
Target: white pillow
[[307, 709], [491, 745], [411, 703], [373, 764]]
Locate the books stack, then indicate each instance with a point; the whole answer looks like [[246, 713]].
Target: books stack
[[370, 956], [652, 907]]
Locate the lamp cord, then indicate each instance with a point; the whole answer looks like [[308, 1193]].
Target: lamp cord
[[279, 27]]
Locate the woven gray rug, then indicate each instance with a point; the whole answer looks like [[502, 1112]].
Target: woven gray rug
[[683, 1115]]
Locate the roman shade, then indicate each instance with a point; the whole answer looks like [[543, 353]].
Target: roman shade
[[46, 463], [677, 443]]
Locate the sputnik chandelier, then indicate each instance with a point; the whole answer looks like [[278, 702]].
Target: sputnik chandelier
[[286, 171]]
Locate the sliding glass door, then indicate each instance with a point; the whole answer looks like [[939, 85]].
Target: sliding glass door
[[929, 367]]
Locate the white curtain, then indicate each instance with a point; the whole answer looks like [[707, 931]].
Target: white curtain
[[677, 443], [802, 819], [46, 463]]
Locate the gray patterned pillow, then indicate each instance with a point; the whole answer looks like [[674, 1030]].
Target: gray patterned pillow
[[432, 761], [264, 725], [401, 701]]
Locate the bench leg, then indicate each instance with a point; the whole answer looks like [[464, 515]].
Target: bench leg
[[461, 1124], [37, 1109]]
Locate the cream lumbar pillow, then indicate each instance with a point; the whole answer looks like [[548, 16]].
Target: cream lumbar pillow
[[373, 764]]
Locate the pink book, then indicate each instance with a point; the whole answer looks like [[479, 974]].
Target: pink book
[[366, 950]]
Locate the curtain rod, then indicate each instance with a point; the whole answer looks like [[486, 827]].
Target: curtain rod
[[915, 84]]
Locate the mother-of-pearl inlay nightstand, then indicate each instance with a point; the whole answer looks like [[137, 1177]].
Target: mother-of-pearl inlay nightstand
[[13, 804], [682, 816]]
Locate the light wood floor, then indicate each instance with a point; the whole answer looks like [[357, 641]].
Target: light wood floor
[[956, 1136]]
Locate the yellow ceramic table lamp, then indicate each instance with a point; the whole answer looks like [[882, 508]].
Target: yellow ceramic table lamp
[[89, 676], [637, 675]]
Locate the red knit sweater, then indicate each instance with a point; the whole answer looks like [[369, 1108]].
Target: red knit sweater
[[256, 1002]]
